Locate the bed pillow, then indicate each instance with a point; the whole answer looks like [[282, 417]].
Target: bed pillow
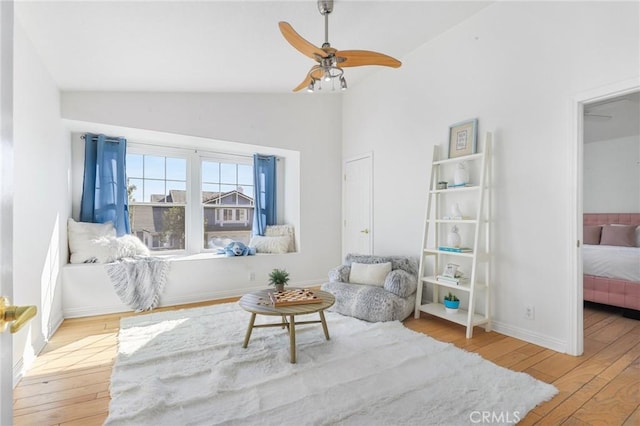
[[624, 236], [369, 273], [591, 234], [273, 245]]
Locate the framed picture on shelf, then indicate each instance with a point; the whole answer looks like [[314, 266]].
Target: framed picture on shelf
[[450, 270], [462, 138]]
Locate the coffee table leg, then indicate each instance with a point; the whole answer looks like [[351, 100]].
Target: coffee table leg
[[284, 322], [248, 335], [324, 325], [292, 338]]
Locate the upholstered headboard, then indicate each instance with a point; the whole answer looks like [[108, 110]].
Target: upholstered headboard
[[611, 218]]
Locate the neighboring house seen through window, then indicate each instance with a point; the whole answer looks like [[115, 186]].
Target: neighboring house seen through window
[[227, 187]]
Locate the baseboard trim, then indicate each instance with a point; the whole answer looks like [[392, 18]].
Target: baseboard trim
[[529, 336]]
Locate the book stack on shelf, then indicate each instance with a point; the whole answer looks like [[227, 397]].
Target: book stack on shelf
[[455, 249], [452, 280], [452, 275]]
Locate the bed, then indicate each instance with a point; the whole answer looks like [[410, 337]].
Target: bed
[[611, 267]]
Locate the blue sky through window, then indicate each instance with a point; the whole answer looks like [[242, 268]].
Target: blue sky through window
[[154, 175]]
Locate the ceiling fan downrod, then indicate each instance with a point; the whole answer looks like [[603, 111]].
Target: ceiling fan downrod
[[325, 7]]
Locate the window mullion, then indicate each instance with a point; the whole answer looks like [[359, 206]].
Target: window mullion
[[194, 205]]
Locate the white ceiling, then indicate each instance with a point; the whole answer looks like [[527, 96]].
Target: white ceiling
[[218, 46], [613, 118]]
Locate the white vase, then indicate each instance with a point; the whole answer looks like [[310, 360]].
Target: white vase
[[456, 213], [461, 176], [453, 238]]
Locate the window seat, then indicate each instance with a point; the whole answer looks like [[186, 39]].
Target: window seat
[[87, 290]]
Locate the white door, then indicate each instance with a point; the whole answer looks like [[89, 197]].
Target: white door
[[357, 236], [6, 202]]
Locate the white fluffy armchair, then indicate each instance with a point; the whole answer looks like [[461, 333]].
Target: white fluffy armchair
[[377, 288]]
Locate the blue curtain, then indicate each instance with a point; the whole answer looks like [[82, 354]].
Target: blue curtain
[[264, 177], [104, 191]]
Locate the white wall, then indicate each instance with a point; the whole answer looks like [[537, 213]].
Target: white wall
[[41, 198], [307, 124], [516, 66], [612, 176]]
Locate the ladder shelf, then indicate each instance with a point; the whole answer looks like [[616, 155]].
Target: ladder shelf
[[474, 262]]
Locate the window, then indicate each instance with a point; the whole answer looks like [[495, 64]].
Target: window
[[157, 187], [164, 186], [227, 201]]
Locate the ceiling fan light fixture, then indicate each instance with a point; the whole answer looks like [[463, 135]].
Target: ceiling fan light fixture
[[343, 83], [311, 87]]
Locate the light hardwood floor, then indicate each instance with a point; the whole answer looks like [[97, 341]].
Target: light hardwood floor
[[69, 383]]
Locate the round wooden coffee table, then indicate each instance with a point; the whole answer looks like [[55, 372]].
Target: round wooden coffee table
[[259, 302]]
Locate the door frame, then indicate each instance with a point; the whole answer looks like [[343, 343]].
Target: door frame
[[6, 202], [576, 294], [366, 156]]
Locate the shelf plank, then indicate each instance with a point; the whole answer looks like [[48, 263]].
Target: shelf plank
[[460, 317], [460, 189], [463, 287], [452, 253], [470, 221], [459, 159]]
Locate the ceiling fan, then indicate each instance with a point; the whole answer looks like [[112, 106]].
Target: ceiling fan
[[330, 60]]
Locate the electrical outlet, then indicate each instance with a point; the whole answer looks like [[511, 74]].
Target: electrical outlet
[[530, 312], [252, 276]]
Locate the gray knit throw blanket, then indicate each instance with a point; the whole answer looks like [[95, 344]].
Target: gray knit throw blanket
[[139, 281]]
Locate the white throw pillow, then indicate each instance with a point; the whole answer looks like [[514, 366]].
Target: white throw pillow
[[109, 249], [82, 233], [275, 245], [281, 231], [97, 243], [371, 274]]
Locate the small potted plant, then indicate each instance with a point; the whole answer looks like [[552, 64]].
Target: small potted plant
[[279, 278], [451, 303]]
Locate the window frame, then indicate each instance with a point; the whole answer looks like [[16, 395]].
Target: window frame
[[194, 211], [220, 158]]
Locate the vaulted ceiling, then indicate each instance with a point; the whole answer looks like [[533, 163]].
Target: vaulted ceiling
[[218, 46]]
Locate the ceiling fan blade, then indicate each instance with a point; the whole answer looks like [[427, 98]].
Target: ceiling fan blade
[[300, 43], [305, 83], [357, 58]]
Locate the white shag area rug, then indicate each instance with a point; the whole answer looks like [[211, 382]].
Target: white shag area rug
[[188, 367]]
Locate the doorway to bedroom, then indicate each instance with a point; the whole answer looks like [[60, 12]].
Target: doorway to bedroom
[[608, 204]]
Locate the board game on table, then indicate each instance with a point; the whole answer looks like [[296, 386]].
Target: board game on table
[[301, 296]]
